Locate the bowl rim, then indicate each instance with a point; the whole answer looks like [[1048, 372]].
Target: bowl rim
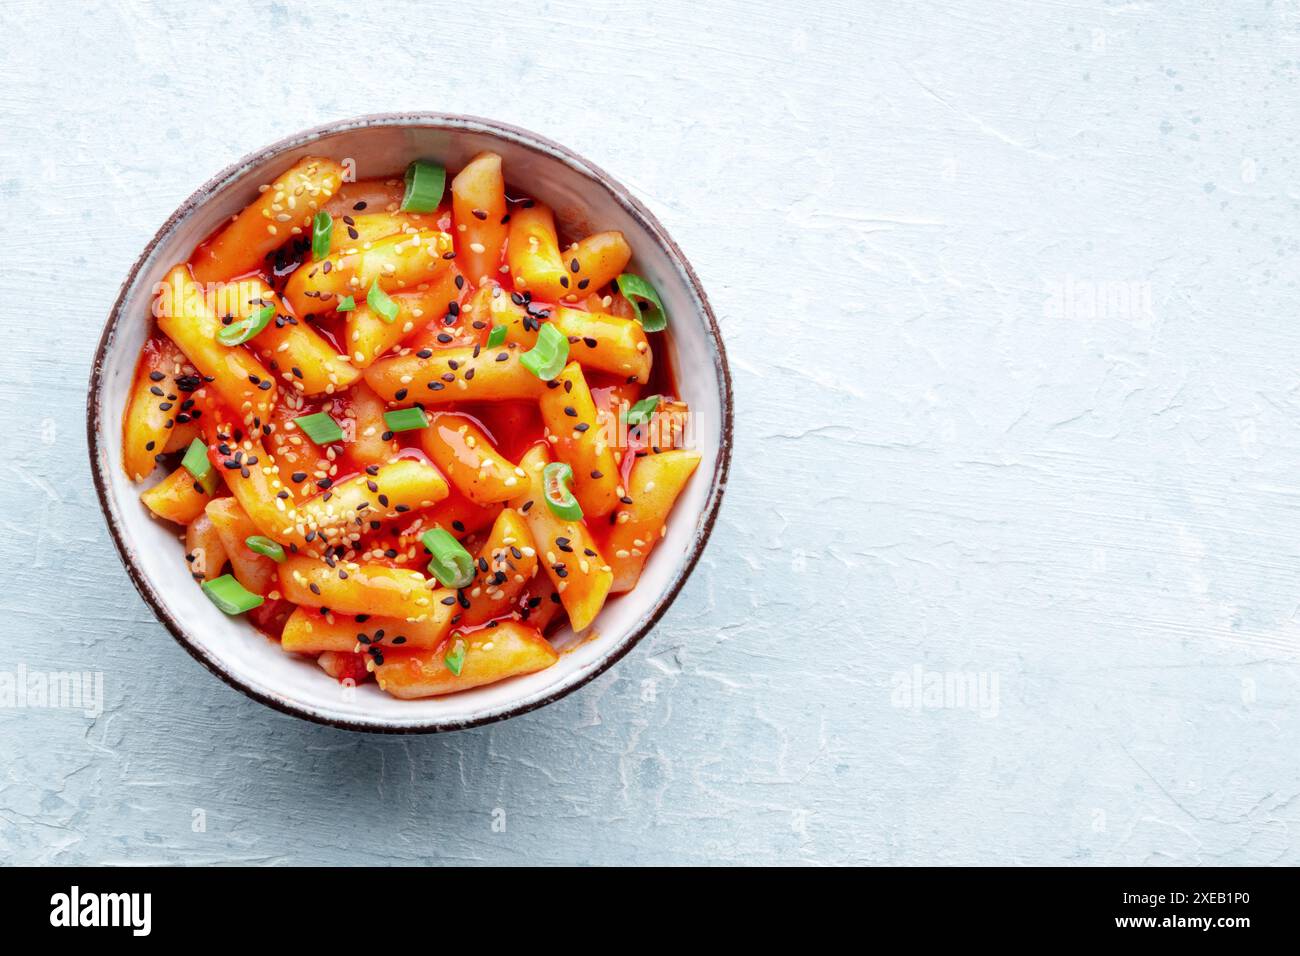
[[452, 122]]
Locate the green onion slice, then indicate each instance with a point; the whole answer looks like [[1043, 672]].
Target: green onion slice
[[496, 336], [380, 302], [261, 545], [321, 229], [231, 596], [556, 478], [452, 565], [455, 657], [424, 185], [346, 304], [237, 333], [320, 428], [649, 307], [640, 413], [197, 463], [548, 357], [405, 419]]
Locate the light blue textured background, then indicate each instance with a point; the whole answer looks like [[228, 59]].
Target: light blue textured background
[[938, 464]]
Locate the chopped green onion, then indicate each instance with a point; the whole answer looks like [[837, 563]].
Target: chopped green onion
[[649, 307], [496, 336], [556, 477], [320, 428], [231, 596], [197, 463], [640, 413], [322, 227], [452, 565], [237, 333], [405, 419], [261, 545], [424, 185], [380, 302], [346, 304], [547, 358], [455, 658]]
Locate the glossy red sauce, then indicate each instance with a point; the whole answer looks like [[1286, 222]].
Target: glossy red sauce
[[512, 426]]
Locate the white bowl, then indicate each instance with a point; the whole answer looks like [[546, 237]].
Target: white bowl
[[584, 199]]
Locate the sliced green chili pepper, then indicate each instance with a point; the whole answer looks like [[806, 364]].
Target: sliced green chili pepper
[[496, 336]]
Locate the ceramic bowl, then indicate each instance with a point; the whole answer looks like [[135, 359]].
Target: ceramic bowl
[[585, 199]]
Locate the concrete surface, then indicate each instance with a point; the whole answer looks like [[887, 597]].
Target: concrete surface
[[1007, 569]]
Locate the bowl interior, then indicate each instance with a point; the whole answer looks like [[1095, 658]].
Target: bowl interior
[[583, 202]]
